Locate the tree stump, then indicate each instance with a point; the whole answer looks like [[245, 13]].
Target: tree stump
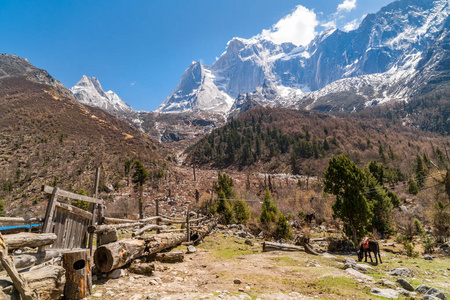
[[78, 274]]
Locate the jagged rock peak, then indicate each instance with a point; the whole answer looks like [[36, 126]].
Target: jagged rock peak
[[89, 91]]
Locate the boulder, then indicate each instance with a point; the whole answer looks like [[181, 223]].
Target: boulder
[[405, 284], [401, 272], [427, 257], [359, 275], [386, 293], [430, 292], [191, 249], [340, 245], [388, 283]]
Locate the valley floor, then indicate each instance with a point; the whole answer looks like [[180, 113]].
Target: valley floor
[[223, 260]]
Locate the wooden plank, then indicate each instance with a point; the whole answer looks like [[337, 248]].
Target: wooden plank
[[93, 208], [49, 190], [74, 210], [48, 223], [102, 228], [108, 221], [27, 239]]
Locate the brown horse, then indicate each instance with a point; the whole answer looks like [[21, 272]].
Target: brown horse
[[368, 246]]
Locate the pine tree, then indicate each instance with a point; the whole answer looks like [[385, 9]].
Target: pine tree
[[269, 209], [283, 230]]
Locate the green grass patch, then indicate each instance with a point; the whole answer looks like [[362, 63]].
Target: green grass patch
[[286, 261]]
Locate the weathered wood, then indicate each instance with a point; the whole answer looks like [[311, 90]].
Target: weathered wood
[[7, 220], [48, 281], [149, 227], [172, 230], [19, 282], [188, 231], [157, 242], [142, 268], [48, 223], [28, 239], [107, 237], [170, 257], [78, 274], [104, 228], [268, 246], [49, 190], [109, 221], [309, 249], [203, 230], [74, 210], [115, 255]]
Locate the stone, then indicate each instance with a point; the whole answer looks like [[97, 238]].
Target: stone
[[387, 283], [117, 273], [405, 284], [191, 249], [97, 295], [248, 242], [403, 292], [349, 263], [359, 275], [386, 293], [241, 290], [423, 288], [237, 281], [427, 257], [401, 272], [328, 255]]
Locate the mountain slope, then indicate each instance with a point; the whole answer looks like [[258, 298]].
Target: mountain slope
[[376, 63], [47, 137], [278, 140], [89, 91], [15, 66]]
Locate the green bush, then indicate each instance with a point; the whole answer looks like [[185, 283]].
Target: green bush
[[269, 209], [418, 227], [79, 203], [2, 209], [283, 230], [429, 244], [410, 250], [241, 211]]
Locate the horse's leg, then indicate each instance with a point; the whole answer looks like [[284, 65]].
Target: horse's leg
[[370, 256], [379, 256], [365, 255]]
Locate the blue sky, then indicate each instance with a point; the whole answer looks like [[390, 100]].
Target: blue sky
[[140, 48]]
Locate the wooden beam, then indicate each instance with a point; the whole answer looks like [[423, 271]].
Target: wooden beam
[[108, 221], [49, 190], [149, 227], [103, 228], [28, 239], [74, 210], [7, 220]]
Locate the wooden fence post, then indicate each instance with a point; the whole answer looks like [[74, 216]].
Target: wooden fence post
[[157, 213], [93, 208], [188, 234]]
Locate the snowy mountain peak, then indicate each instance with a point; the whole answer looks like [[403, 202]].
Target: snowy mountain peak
[[196, 92], [89, 91]]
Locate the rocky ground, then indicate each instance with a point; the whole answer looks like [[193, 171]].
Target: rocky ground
[[229, 265]]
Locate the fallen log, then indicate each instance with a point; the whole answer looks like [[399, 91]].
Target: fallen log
[[309, 249], [268, 246], [203, 230], [115, 255], [170, 257], [107, 237], [105, 228], [157, 242], [28, 239], [27, 260], [48, 282], [8, 220], [147, 228]]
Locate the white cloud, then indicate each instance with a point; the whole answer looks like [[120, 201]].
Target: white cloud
[[347, 5], [297, 28], [329, 25], [133, 83], [351, 25]]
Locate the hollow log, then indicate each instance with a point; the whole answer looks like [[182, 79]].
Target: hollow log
[[28, 239], [48, 282], [268, 246], [142, 268], [78, 274], [170, 257], [115, 255]]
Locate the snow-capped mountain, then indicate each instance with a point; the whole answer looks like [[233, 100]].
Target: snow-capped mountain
[[196, 92], [382, 60], [89, 91]]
